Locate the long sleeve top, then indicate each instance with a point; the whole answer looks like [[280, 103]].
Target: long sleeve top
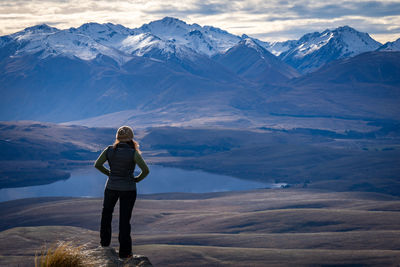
[[99, 164]]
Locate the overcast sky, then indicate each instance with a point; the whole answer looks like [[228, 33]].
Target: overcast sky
[[271, 20]]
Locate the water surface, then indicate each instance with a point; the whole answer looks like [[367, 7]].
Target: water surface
[[89, 182]]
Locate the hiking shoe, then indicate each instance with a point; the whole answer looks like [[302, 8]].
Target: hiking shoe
[[126, 257]]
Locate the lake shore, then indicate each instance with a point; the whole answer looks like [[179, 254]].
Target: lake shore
[[86, 181], [318, 159]]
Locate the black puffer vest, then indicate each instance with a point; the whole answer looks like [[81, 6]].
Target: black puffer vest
[[122, 165]]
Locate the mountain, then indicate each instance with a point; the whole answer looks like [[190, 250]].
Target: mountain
[[167, 37], [171, 37], [45, 41], [366, 86], [205, 40], [62, 88], [358, 94], [313, 50], [169, 70], [367, 68], [251, 61], [63, 75], [390, 46], [277, 48]]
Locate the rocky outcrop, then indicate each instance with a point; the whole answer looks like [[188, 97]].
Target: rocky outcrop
[[108, 257]]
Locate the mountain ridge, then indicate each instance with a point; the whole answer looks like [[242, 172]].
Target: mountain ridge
[[170, 33], [313, 50], [164, 66]]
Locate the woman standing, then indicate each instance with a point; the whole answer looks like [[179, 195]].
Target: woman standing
[[122, 157]]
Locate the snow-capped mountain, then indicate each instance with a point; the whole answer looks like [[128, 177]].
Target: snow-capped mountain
[[250, 60], [313, 50], [205, 40], [100, 68], [95, 69], [171, 37], [49, 41], [390, 46], [106, 34], [278, 48], [168, 36], [137, 41]]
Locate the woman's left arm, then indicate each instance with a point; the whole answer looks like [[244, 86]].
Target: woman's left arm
[[142, 165], [100, 161]]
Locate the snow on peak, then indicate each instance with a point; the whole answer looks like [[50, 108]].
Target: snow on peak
[[166, 28], [106, 34], [34, 32], [205, 40], [173, 36], [391, 46], [312, 42], [41, 28], [315, 49], [354, 42], [346, 40], [50, 41], [252, 43], [278, 48], [170, 21], [116, 41], [106, 30], [140, 44]]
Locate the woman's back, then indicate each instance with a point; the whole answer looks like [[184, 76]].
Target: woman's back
[[122, 165]]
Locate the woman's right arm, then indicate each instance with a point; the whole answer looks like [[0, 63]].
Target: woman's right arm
[[100, 161], [142, 165]]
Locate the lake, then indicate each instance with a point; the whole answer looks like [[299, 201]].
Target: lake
[[89, 182]]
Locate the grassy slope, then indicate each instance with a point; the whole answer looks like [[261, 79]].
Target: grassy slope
[[278, 227]]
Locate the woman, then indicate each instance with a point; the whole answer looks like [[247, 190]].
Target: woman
[[122, 157]]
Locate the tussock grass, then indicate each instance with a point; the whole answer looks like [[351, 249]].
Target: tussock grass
[[63, 254]]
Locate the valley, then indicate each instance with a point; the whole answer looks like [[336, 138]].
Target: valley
[[300, 157], [317, 116]]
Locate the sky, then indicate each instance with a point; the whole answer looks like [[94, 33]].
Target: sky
[[272, 20]]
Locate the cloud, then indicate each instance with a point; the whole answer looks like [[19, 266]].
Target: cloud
[[348, 8], [268, 20]]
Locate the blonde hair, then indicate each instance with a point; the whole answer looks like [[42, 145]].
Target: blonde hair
[[134, 144]]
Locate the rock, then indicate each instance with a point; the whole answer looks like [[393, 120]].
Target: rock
[[108, 257]]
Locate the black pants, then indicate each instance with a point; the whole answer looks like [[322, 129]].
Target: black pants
[[126, 202]]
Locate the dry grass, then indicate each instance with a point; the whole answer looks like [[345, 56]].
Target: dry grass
[[63, 254]]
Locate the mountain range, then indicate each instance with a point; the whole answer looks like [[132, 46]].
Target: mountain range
[[313, 50], [171, 71], [173, 36]]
